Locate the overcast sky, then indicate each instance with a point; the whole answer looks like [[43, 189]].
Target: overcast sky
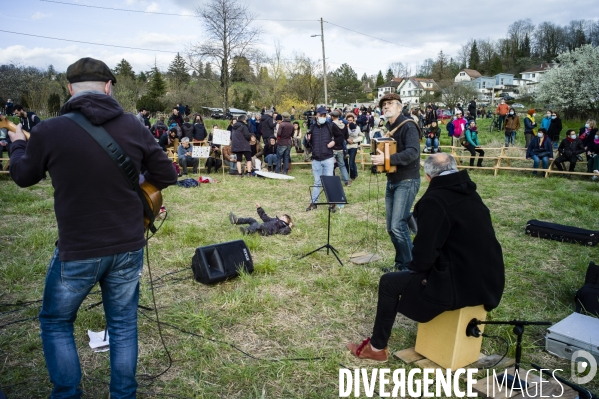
[[419, 29]]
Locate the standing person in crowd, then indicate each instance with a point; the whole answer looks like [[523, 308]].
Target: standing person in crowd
[[297, 138], [501, 110], [472, 108], [28, 119], [159, 128], [141, 115], [284, 141], [252, 125], [362, 121], [449, 128], [100, 223], [199, 129], [320, 140], [147, 122], [292, 116], [270, 154], [355, 137], [433, 134], [540, 150], [267, 126], [187, 129], [511, 126], [231, 123], [459, 129], [446, 273], [257, 151], [378, 131], [340, 135], [184, 156], [429, 116], [258, 128], [569, 150], [181, 109], [587, 133], [555, 128], [403, 184], [459, 108], [240, 145], [9, 107], [309, 114], [473, 145], [546, 121], [175, 117], [529, 126]]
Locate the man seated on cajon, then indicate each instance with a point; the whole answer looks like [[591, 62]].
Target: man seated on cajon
[[457, 261]]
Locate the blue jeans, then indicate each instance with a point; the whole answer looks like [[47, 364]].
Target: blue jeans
[[500, 121], [510, 138], [353, 168], [340, 158], [321, 168], [399, 198], [283, 153], [67, 285], [536, 160], [271, 160], [430, 142]]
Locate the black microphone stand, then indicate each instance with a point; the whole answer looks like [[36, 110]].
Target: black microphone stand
[[473, 331]]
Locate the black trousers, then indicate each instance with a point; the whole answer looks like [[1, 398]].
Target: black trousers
[[185, 161], [562, 158], [391, 286], [473, 150], [253, 224]]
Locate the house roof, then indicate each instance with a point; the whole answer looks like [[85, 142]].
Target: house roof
[[539, 68], [392, 83], [472, 73], [419, 83]]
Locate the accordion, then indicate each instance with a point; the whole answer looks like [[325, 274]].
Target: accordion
[[388, 147]]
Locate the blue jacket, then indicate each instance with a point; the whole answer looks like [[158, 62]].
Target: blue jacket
[[450, 129], [545, 123], [535, 148], [472, 137], [252, 125]]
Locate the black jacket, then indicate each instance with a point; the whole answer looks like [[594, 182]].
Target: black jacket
[[199, 131], [555, 127], [320, 137], [588, 139], [407, 157], [187, 129], [97, 213], [272, 225], [178, 119], [455, 251], [570, 149], [240, 138], [472, 108], [340, 135], [158, 128], [267, 126]]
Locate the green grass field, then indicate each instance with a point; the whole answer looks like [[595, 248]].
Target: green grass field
[[288, 308]]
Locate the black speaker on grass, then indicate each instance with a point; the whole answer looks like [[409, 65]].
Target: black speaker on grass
[[218, 262]]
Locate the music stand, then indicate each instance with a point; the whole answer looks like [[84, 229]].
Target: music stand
[[333, 190]]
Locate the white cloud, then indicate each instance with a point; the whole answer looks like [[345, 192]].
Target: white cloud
[[39, 15], [154, 7]]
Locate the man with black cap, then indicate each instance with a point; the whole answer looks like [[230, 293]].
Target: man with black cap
[[267, 126], [320, 139], [100, 223], [403, 184]]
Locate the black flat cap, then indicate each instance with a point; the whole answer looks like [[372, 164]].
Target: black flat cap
[[89, 70]]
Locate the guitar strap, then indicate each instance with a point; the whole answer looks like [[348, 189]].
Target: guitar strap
[[116, 153]]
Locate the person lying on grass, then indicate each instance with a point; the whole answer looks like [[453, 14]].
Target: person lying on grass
[[276, 225]]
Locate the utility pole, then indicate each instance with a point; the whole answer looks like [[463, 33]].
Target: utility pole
[[324, 65]]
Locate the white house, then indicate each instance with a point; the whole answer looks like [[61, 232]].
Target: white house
[[411, 89], [535, 74], [388, 87], [466, 75]]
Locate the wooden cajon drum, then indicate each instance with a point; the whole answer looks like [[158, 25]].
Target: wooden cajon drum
[[443, 339]]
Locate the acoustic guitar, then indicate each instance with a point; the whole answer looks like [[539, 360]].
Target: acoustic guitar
[[6, 123]]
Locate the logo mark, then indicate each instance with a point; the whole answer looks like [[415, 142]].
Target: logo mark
[[588, 365]]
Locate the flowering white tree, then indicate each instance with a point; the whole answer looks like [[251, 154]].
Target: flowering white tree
[[573, 84]]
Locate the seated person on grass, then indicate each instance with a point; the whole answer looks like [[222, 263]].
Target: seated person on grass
[[257, 150], [540, 150], [185, 158], [214, 161], [445, 273], [432, 135], [168, 139], [276, 225], [270, 153], [569, 150], [230, 158]]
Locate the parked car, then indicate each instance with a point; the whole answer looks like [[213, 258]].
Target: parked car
[[217, 113], [443, 114], [518, 105], [506, 97]]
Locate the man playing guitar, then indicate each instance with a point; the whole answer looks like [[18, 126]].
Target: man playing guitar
[[100, 222]]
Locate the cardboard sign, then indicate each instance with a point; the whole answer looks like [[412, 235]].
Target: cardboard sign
[[222, 137], [200, 152]]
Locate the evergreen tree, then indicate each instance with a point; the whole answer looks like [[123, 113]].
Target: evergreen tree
[[178, 72], [157, 87], [347, 86], [389, 75], [379, 79], [124, 69], [474, 60], [496, 65], [142, 77], [364, 77], [208, 71]]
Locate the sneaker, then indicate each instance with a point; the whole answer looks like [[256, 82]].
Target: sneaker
[[348, 183], [243, 230], [365, 351], [310, 207], [232, 218], [426, 151]]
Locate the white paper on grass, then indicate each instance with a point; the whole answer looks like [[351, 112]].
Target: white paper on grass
[[97, 342], [200, 152], [222, 137]]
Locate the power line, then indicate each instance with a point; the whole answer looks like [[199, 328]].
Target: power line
[[377, 38], [166, 13], [95, 44]]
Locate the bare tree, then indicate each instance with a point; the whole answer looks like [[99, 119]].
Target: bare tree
[[464, 54], [229, 34]]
